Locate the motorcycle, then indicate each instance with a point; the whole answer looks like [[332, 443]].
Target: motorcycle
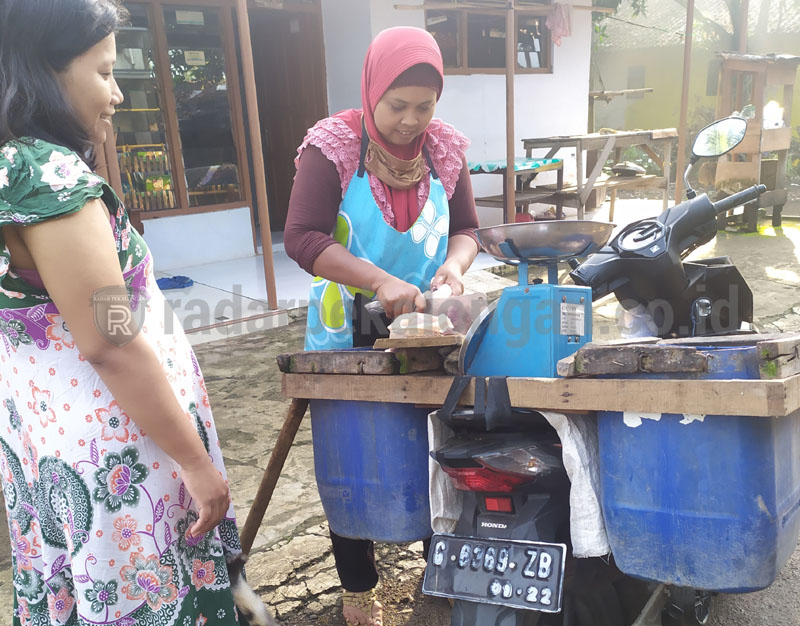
[[507, 561]]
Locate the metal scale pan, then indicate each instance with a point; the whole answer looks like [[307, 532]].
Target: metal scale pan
[[541, 243], [546, 241]]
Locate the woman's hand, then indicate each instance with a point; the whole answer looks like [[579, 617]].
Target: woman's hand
[[210, 494], [449, 274], [398, 297]]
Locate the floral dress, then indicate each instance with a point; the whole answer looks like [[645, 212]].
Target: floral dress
[[97, 512]]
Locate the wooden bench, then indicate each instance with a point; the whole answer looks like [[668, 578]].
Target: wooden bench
[[596, 148]]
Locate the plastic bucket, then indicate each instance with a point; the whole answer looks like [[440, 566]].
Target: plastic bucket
[[371, 465], [712, 503]]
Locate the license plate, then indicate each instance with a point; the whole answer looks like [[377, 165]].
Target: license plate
[[508, 572]]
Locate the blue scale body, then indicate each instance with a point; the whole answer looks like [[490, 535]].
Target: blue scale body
[[532, 328]]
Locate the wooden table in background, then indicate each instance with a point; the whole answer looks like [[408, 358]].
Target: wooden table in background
[[598, 147]]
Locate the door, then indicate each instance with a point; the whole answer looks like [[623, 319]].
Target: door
[[289, 61]]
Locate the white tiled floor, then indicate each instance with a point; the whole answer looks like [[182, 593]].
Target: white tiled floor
[[236, 290]]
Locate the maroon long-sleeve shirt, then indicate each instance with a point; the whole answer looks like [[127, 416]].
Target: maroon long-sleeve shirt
[[315, 200]]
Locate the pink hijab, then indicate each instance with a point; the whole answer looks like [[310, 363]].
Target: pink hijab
[[392, 52]]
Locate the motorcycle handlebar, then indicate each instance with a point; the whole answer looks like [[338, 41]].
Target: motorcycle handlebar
[[742, 197]]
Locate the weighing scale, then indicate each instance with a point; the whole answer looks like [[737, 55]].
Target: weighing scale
[[531, 326]]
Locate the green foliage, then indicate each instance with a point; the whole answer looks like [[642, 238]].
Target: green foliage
[[793, 160], [599, 19], [639, 6]]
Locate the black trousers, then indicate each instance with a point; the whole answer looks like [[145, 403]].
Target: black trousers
[[355, 561], [355, 558]]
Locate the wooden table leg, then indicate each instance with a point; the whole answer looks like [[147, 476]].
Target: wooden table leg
[[666, 170], [611, 204], [297, 409], [559, 195], [579, 177]]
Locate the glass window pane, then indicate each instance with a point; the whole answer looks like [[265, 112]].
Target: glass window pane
[[142, 152], [443, 25], [486, 41], [532, 42], [197, 59]]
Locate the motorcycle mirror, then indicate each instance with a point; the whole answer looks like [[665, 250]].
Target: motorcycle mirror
[[719, 137]]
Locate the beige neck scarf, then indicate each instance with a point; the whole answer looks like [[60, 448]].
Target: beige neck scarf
[[396, 173]]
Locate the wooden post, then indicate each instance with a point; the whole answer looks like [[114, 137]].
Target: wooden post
[[682, 129], [251, 99], [744, 9], [511, 61], [297, 409]]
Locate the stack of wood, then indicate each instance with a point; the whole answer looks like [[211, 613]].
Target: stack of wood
[[778, 355]]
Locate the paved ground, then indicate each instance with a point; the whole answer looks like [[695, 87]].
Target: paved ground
[[292, 566]]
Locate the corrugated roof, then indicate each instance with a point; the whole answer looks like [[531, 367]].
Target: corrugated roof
[[664, 23]]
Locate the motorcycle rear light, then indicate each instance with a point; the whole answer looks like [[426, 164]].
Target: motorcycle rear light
[[499, 504], [530, 462], [484, 479]]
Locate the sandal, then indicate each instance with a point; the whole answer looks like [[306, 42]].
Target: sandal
[[367, 603]]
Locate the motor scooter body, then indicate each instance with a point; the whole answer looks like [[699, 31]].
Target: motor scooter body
[[516, 493], [516, 514]]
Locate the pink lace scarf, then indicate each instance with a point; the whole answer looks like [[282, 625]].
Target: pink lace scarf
[[342, 146]]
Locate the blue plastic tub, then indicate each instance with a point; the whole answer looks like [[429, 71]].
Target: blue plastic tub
[[710, 504], [371, 464]]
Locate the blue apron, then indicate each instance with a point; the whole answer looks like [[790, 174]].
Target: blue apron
[[413, 256]]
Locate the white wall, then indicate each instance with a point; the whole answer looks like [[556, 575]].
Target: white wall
[[186, 240], [384, 15], [347, 31]]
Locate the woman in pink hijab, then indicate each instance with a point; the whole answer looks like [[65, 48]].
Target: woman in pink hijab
[[381, 208]]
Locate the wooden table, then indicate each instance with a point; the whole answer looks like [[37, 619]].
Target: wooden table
[[598, 147], [761, 398], [525, 170]]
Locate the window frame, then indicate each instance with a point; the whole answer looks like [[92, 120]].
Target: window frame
[[155, 11], [462, 16]]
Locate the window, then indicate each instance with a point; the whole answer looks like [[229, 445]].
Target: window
[[144, 159], [474, 41], [178, 138], [197, 66]]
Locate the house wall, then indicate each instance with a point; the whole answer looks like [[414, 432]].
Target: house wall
[[347, 30], [664, 72], [187, 240]]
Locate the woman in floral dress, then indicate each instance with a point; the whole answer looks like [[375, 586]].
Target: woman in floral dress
[[114, 486]]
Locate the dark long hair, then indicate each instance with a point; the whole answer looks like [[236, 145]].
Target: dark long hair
[[38, 39]]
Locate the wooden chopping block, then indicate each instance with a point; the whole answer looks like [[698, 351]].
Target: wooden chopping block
[[599, 359], [779, 357], [420, 342], [366, 362], [339, 362]]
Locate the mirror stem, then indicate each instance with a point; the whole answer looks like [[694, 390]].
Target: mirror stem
[[690, 193]]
